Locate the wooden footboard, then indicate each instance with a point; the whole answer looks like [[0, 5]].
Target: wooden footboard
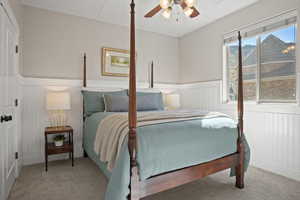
[[179, 177]]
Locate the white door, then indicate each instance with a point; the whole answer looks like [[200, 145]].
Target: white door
[[8, 86], [1, 106]]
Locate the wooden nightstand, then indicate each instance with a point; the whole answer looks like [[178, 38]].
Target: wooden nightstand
[[51, 149]]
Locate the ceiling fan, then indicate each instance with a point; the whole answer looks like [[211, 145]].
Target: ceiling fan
[[188, 7]]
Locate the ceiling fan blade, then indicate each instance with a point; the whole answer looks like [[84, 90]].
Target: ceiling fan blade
[[183, 5], [195, 12], [153, 11]]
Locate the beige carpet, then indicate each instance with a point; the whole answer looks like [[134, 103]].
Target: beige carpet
[[86, 182]]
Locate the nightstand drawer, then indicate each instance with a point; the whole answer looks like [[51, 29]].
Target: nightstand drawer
[[66, 148]]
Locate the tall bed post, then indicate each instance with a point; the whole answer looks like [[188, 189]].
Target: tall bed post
[[84, 70], [240, 108], [132, 138], [83, 118]]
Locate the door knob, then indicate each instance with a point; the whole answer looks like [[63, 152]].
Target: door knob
[[5, 118], [2, 119], [9, 118]]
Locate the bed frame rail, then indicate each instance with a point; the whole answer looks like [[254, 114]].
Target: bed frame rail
[[176, 178]]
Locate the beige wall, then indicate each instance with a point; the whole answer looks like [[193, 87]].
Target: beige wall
[[201, 51], [54, 44]]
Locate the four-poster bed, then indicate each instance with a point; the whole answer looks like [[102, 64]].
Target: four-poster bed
[[142, 187]]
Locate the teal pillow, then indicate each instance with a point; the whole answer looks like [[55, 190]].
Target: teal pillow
[[145, 102], [116, 103], [93, 101], [149, 101]]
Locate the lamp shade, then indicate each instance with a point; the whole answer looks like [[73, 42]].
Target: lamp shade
[[173, 100], [58, 101]]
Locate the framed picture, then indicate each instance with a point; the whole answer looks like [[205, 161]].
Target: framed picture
[[115, 62]]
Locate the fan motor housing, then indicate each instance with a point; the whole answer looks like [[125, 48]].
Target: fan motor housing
[[177, 1]]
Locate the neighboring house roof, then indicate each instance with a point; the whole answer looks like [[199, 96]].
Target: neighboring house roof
[[272, 50]]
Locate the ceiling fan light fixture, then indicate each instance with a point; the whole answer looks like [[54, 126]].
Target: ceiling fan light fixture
[[167, 13], [165, 8], [189, 3], [188, 11], [165, 4]]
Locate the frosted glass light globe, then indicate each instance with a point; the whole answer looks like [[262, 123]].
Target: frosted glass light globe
[[188, 11], [190, 3], [164, 4], [167, 13]]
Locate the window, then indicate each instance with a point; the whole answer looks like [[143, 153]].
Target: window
[[278, 65], [269, 63], [249, 69]]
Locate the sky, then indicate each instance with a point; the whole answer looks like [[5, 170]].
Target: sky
[[287, 35]]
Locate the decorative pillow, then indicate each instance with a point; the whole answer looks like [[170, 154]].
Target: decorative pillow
[[116, 103], [93, 100], [147, 101]]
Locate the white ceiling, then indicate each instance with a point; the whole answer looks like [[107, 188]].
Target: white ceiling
[[117, 12]]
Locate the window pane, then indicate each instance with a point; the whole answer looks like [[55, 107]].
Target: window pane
[[278, 65], [249, 53]]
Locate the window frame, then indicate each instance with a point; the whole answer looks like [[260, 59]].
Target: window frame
[[258, 100]]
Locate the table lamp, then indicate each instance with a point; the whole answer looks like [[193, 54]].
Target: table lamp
[[172, 101], [57, 104]]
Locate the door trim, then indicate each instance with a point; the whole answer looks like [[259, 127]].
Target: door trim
[[10, 14]]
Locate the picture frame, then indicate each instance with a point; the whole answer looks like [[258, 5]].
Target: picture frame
[[115, 62]]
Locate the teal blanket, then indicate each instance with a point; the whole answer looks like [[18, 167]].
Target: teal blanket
[[166, 147]]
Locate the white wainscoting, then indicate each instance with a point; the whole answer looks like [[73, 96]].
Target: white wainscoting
[[35, 119], [272, 130], [35, 116]]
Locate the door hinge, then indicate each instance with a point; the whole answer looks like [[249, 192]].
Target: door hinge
[[16, 102], [16, 155], [17, 49]]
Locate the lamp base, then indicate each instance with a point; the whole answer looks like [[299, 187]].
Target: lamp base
[[58, 118]]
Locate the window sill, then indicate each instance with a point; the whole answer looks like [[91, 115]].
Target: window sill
[[274, 107], [265, 102]]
